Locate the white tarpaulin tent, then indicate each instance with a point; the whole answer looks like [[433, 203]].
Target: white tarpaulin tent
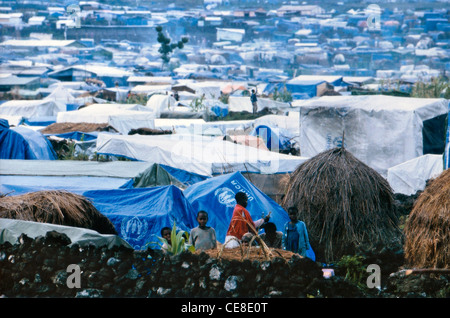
[[381, 131], [202, 155], [411, 176], [31, 108], [159, 103], [123, 117]]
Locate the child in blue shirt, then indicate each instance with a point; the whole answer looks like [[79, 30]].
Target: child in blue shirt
[[295, 235]]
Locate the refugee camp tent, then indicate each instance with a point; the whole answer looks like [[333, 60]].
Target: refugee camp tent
[[32, 108], [202, 155], [411, 176], [159, 103], [139, 214], [123, 117], [275, 138], [24, 176], [382, 131], [11, 230], [23, 143], [216, 196]]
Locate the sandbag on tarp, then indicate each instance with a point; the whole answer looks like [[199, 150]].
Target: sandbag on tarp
[[139, 214], [10, 231], [23, 143], [216, 196]]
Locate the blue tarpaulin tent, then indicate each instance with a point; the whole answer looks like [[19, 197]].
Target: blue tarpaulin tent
[[139, 214], [273, 139], [216, 196], [23, 143]]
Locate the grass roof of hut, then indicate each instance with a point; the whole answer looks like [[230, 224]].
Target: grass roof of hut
[[61, 128], [427, 231], [56, 207], [344, 203]]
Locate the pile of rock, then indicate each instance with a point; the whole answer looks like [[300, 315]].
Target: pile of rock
[[50, 266], [45, 267]]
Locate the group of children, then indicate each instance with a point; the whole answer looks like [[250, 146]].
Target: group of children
[[242, 228]]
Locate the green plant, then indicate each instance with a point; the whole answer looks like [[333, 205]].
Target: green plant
[[354, 268], [283, 96], [197, 104], [178, 242], [438, 87]]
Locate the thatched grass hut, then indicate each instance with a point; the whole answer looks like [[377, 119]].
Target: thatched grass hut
[[56, 207], [427, 231], [344, 204]]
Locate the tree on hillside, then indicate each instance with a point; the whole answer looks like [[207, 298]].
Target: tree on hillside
[[166, 47]]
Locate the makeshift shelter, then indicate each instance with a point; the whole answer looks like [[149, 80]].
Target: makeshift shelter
[[427, 235], [23, 143], [382, 131], [123, 117], [275, 138], [139, 214], [411, 176], [343, 202], [11, 231], [32, 108], [154, 176], [159, 103], [201, 155], [216, 196], [55, 207]]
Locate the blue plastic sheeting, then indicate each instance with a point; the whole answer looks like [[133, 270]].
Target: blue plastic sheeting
[[216, 196], [271, 139], [40, 121], [140, 214], [24, 143], [77, 135], [188, 178], [220, 111], [16, 185]]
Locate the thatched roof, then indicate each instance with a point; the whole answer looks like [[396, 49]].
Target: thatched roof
[[427, 231], [344, 204], [56, 207], [61, 128]]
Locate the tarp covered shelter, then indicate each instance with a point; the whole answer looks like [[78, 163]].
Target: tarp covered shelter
[[24, 176], [32, 108], [412, 175], [23, 143], [216, 196], [382, 131], [123, 117], [202, 155], [11, 230], [139, 214]]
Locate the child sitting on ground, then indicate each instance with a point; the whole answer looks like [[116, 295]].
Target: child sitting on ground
[[203, 237]]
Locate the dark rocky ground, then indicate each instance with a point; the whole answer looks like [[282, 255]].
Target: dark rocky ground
[[38, 268]]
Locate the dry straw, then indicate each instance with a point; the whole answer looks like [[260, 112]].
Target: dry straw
[[55, 207], [344, 204], [427, 231]]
